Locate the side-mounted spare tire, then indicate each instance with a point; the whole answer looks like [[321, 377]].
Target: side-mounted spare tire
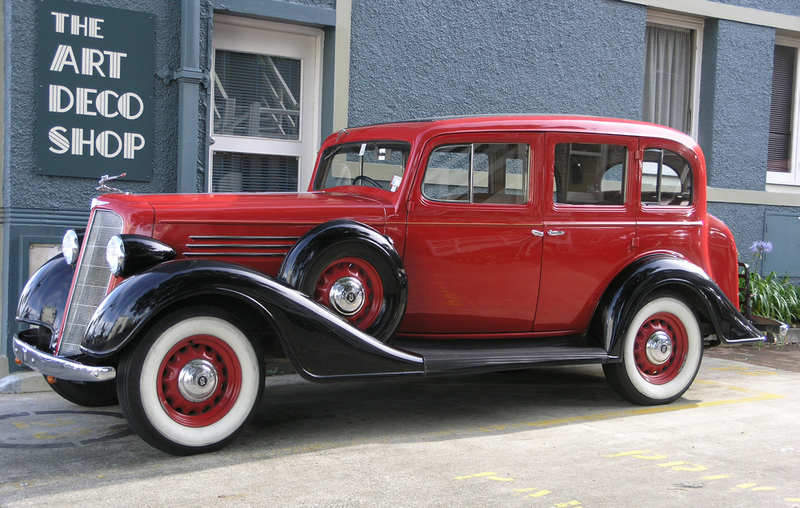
[[354, 271]]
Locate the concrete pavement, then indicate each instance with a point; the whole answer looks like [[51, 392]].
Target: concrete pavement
[[551, 437]]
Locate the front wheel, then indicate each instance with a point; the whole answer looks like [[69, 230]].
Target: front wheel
[[192, 383], [661, 352]]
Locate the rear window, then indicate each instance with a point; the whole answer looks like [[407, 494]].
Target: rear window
[[590, 174]]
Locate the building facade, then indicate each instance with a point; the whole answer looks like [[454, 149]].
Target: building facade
[[237, 95]]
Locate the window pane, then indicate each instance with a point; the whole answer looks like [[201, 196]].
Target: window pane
[[500, 174], [780, 113], [256, 95], [667, 76], [447, 175], [243, 172], [377, 164], [666, 178], [590, 174]]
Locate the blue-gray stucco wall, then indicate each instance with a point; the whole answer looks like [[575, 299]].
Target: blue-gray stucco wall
[[735, 99], [426, 58], [23, 188]]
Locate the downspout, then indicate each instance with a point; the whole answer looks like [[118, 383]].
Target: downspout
[[189, 77]]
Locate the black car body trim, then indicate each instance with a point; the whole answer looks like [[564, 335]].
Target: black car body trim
[[621, 300], [319, 344]]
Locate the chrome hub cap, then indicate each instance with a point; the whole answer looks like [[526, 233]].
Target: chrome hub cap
[[347, 296], [197, 380], [658, 348]]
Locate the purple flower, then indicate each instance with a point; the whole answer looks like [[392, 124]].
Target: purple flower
[[759, 247]]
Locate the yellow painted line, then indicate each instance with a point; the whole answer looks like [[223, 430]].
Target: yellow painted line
[[650, 457], [567, 505], [690, 467], [527, 490], [717, 477], [478, 475], [756, 397], [672, 464], [500, 479], [746, 485], [625, 454], [540, 493], [793, 499]]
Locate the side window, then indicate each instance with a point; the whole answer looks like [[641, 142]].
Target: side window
[[666, 178], [478, 173], [590, 174]]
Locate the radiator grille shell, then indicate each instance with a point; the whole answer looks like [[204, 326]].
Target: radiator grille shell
[[92, 278]]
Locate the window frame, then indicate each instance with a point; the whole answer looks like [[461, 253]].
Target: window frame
[[247, 35], [526, 174], [695, 25], [793, 176]]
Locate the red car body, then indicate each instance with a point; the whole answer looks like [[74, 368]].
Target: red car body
[[464, 244]]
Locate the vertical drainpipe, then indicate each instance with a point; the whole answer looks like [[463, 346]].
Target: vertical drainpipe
[[189, 77]]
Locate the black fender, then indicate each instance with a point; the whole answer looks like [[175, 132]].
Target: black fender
[[319, 344], [621, 300], [301, 256], [44, 297]]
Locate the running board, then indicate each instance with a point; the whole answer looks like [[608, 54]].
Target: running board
[[459, 356]]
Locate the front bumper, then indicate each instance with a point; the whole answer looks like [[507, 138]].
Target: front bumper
[[58, 367]]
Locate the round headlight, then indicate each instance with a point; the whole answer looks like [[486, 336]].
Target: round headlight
[[71, 246], [115, 255]]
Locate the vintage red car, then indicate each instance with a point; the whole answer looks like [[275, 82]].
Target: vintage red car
[[422, 248]]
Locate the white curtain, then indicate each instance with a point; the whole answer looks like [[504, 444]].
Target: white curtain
[[667, 76]]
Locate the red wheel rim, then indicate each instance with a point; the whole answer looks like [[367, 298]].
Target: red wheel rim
[[366, 275], [660, 373], [229, 381]]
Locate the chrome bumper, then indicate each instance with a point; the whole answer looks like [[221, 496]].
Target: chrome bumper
[[60, 368]]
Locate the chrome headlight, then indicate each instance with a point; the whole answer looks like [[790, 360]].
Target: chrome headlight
[[71, 246], [115, 255]]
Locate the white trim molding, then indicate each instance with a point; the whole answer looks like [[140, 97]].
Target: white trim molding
[[716, 10]]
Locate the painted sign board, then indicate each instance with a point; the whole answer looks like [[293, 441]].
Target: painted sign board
[[95, 91]]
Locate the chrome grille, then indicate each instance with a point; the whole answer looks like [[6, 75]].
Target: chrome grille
[[91, 280]]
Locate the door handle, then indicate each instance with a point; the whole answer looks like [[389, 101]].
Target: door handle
[[537, 233], [553, 232]]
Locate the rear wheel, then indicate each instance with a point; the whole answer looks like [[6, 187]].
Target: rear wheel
[[661, 352], [193, 382], [357, 283]]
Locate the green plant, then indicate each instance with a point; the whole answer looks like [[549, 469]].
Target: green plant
[[774, 298]]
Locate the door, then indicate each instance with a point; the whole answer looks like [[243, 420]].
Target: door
[[589, 225], [472, 249], [265, 107]]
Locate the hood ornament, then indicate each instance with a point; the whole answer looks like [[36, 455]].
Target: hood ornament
[[105, 188]]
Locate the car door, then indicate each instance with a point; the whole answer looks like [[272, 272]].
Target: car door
[[668, 216], [472, 253], [589, 225]]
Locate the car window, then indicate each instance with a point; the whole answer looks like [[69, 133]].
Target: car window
[[589, 174], [666, 178], [478, 173], [377, 164]]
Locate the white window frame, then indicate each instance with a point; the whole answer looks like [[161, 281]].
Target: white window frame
[[247, 35], [793, 176], [696, 26]]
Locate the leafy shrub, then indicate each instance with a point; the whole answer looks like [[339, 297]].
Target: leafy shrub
[[774, 298]]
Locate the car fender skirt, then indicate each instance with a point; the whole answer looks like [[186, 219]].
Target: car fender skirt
[[319, 344], [667, 272]]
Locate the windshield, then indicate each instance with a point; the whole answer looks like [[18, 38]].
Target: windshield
[[377, 164]]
